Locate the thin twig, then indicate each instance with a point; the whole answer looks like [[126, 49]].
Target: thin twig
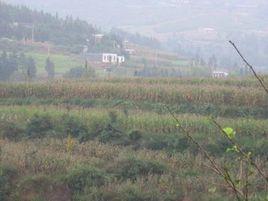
[[251, 67], [229, 178], [215, 166], [247, 183], [242, 153]]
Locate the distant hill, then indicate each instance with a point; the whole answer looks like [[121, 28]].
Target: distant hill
[[192, 27], [163, 17], [22, 23]]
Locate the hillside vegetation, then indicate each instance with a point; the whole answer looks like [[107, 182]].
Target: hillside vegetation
[[22, 23], [40, 35]]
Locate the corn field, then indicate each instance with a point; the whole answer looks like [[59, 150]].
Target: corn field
[[112, 139]]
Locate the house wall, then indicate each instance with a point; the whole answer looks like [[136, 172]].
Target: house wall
[[121, 59], [109, 58], [219, 74]]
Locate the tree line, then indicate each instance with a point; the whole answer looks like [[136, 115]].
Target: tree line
[[11, 63], [22, 23], [21, 67]]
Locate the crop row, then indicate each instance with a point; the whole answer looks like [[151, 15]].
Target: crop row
[[136, 129], [228, 111], [242, 82], [173, 94], [146, 121]]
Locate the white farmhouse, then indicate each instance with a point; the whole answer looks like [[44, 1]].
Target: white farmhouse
[[219, 74], [105, 58], [109, 58]]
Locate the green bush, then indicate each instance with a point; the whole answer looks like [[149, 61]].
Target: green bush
[[158, 142], [262, 150], [132, 168], [113, 117], [113, 135], [11, 131], [170, 143], [74, 127], [39, 126], [136, 194], [81, 177], [218, 147], [7, 174], [135, 135], [129, 192]]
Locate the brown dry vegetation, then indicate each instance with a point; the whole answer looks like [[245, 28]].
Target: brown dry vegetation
[[52, 149]]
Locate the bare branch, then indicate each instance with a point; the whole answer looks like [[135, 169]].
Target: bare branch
[[251, 67], [215, 167]]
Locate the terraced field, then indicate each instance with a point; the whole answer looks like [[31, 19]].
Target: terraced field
[[115, 139]]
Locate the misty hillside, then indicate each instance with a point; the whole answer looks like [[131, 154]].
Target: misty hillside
[[163, 17], [21, 23], [190, 27]]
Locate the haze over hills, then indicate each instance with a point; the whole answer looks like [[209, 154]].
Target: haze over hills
[[194, 27], [163, 17]]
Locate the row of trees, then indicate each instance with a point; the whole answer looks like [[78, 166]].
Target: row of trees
[[172, 72], [21, 67], [137, 38], [12, 63], [22, 23]]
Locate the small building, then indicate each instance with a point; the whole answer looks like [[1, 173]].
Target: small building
[[219, 74], [98, 37], [109, 58], [104, 58], [120, 59]]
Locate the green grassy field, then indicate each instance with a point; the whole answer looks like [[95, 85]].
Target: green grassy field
[[63, 63]]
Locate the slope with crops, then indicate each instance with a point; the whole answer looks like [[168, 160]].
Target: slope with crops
[[113, 139]]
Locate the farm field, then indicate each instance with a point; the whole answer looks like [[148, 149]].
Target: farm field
[[115, 139], [62, 62]]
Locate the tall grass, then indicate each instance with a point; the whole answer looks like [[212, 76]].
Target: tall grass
[[158, 93]]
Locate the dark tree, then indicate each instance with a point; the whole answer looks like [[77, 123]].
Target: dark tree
[[31, 68], [8, 65], [50, 68]]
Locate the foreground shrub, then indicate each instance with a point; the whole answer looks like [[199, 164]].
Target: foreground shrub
[[135, 135], [7, 174], [74, 127], [133, 168], [11, 130], [262, 150], [171, 143], [39, 126], [82, 177], [141, 190], [42, 188]]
